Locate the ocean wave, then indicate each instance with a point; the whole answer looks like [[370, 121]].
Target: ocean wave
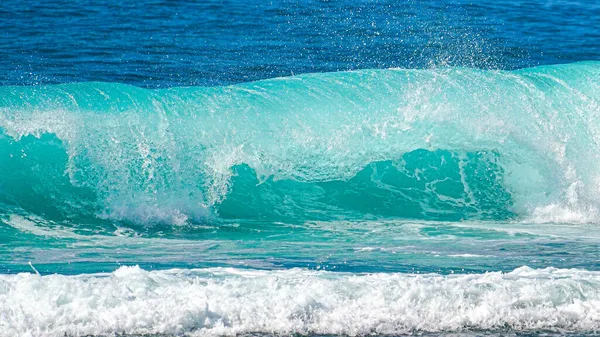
[[447, 144]]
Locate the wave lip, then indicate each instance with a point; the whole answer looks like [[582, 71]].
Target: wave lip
[[221, 301]]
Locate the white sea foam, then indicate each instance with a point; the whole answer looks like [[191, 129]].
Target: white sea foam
[[557, 213], [231, 301], [469, 255]]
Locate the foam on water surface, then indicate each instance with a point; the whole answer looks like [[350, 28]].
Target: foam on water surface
[[224, 301]]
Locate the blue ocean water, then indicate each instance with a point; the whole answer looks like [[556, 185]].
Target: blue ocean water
[[214, 168]]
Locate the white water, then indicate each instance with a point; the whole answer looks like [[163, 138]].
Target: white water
[[232, 301]]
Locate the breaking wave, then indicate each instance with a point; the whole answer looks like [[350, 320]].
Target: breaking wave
[[441, 144]]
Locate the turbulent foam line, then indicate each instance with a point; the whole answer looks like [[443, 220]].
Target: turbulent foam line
[[234, 301]]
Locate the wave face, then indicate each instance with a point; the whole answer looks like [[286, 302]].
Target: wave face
[[445, 144], [218, 301]]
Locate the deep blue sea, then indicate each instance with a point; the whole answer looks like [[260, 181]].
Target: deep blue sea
[[254, 168]]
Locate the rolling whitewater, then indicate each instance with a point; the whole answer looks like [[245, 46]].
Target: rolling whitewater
[[454, 194]]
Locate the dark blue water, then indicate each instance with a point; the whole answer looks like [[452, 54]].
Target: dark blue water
[[208, 168], [180, 43]]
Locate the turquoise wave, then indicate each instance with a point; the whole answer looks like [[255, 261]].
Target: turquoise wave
[[447, 144]]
